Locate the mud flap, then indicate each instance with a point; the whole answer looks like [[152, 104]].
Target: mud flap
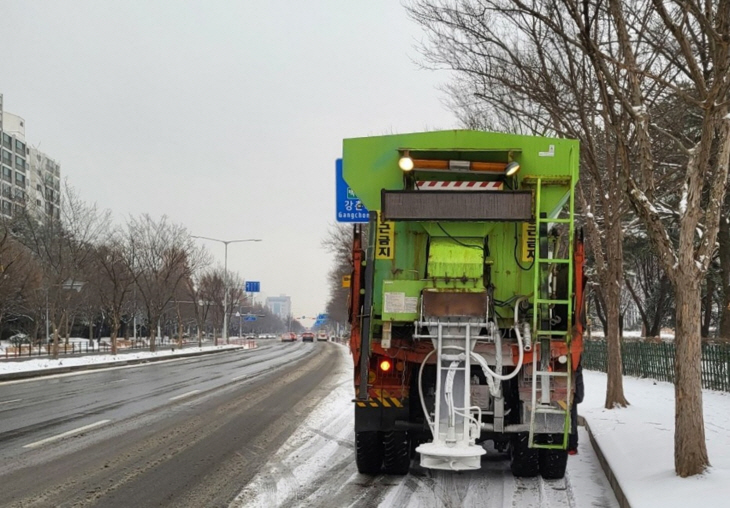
[[373, 415]]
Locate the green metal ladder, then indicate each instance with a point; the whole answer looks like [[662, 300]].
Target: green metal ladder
[[542, 303]]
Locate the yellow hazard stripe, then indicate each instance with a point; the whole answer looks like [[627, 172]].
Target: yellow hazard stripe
[[380, 402]]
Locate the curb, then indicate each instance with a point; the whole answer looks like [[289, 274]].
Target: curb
[[623, 502], [13, 376]]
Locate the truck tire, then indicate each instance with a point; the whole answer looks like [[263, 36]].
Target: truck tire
[[369, 452], [396, 453], [524, 461], [553, 464]]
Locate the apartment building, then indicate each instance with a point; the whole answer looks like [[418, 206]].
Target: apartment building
[[29, 178]]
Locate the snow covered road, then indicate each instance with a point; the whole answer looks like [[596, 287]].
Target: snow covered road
[[316, 468]]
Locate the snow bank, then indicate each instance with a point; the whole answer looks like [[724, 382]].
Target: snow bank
[[638, 443]]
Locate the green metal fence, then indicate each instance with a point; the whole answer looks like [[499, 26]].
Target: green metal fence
[[655, 360]]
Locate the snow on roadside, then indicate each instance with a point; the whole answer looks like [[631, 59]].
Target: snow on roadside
[[638, 443], [319, 449], [8, 366]]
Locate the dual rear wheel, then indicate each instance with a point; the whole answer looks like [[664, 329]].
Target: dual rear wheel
[[528, 462], [382, 452]]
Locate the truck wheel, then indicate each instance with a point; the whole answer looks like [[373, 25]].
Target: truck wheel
[[368, 452], [396, 453], [524, 461], [553, 463]]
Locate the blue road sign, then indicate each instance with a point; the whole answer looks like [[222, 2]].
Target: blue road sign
[[321, 318], [249, 318], [253, 286], [349, 208]]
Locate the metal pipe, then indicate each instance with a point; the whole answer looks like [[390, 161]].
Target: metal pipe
[[362, 393]]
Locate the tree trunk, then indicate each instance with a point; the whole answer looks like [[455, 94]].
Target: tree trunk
[[690, 450], [179, 328], [662, 302], [723, 238], [55, 341], [152, 335], [598, 299], [67, 332], [612, 284], [114, 332], [708, 301], [614, 386]]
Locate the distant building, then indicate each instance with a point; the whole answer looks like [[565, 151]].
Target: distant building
[[280, 306], [28, 178], [45, 184]]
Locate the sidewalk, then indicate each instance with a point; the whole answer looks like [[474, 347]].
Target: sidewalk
[[638, 444]]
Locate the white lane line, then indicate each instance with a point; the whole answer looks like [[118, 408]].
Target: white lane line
[[238, 378], [185, 395], [66, 434], [9, 401]]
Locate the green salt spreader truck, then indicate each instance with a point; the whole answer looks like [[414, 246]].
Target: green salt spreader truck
[[466, 299]]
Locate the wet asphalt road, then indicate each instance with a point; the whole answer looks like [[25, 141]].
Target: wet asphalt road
[[188, 432]]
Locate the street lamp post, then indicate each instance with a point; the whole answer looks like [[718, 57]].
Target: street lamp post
[[225, 276]]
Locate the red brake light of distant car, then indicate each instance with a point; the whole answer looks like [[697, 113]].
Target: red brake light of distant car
[[385, 365]]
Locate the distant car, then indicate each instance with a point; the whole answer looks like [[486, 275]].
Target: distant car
[[307, 337], [289, 337], [322, 337]]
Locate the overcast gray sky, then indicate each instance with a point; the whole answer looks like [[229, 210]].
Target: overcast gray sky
[[226, 116]]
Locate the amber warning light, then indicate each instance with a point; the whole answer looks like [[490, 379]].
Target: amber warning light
[[385, 365]]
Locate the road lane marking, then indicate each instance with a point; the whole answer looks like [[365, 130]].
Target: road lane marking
[[9, 401], [185, 395], [238, 378], [66, 434]]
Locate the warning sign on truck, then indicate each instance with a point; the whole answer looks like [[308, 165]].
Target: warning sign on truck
[[384, 239], [528, 241]]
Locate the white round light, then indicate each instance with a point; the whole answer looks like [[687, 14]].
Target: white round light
[[563, 359], [405, 163]]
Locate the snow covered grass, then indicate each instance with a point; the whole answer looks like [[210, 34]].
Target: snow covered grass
[[44, 363], [638, 443]]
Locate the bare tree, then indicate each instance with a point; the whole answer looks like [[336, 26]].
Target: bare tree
[[639, 54], [679, 48], [19, 279], [338, 242], [164, 256], [114, 262], [62, 248]]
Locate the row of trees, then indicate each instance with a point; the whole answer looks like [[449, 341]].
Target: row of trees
[[81, 269], [645, 86]]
